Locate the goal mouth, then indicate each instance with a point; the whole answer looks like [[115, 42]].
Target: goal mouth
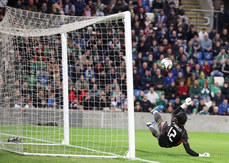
[[64, 85]]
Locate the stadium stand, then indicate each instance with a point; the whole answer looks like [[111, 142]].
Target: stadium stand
[[159, 29]]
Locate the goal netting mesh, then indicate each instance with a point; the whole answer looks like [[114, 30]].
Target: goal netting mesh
[[63, 84]]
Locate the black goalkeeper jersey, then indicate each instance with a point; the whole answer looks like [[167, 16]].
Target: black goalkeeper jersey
[[174, 135]]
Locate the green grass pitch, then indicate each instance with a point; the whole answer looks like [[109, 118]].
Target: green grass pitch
[[216, 144]]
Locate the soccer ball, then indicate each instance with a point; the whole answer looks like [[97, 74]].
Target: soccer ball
[[166, 64]]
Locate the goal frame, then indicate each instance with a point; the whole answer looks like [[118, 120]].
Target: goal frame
[[129, 72]]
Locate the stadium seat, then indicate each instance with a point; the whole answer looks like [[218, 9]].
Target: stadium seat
[[208, 56], [201, 62], [137, 93], [145, 58], [148, 8], [172, 101], [209, 63], [220, 80], [146, 91], [145, 2], [199, 56]]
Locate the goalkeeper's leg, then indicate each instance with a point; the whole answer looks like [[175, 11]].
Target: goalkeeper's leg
[[152, 129], [160, 122]]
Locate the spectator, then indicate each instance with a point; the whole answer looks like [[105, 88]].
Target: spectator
[[183, 60], [122, 102], [146, 81], [161, 18], [225, 90], [172, 18], [202, 34], [205, 91], [158, 80], [206, 68], [222, 57], [194, 90], [137, 80], [218, 98], [119, 6], [217, 39], [200, 105], [216, 49], [89, 73], [162, 101], [216, 68], [171, 91], [29, 105], [202, 79], [196, 43], [51, 100], [152, 96], [215, 110], [146, 104], [197, 70], [75, 104], [177, 70], [138, 107], [182, 90], [44, 8], [31, 6], [87, 10], [225, 69], [191, 33], [179, 78], [187, 73], [224, 36], [223, 107], [169, 109], [169, 78], [215, 88], [79, 7], [206, 44], [204, 111], [177, 102], [19, 5], [157, 5], [190, 49]]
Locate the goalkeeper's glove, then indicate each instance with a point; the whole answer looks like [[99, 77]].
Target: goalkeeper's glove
[[187, 102], [204, 155]]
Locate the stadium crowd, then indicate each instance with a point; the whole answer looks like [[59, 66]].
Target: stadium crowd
[[160, 29]]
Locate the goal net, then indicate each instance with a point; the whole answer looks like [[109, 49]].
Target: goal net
[[66, 85]]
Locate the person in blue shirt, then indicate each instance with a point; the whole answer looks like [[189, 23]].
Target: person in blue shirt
[[169, 78], [51, 101], [176, 70], [223, 107], [206, 43]]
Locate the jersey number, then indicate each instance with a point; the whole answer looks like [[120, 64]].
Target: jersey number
[[171, 134]]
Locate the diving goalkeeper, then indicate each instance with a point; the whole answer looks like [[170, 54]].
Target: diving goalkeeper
[[175, 134]]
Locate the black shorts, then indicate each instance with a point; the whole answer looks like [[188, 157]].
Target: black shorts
[[163, 139]]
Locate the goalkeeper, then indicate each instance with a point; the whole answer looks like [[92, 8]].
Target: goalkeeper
[[175, 134]]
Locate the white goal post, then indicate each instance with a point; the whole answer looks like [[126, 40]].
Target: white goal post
[[66, 85]]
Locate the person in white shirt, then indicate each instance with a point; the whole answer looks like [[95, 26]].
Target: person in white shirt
[[202, 33], [152, 96]]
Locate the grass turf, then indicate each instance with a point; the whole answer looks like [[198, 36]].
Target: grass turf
[[147, 148]]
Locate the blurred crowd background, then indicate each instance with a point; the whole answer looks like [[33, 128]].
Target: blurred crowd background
[[160, 29]]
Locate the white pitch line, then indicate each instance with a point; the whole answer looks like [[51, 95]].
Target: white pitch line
[[55, 143]]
